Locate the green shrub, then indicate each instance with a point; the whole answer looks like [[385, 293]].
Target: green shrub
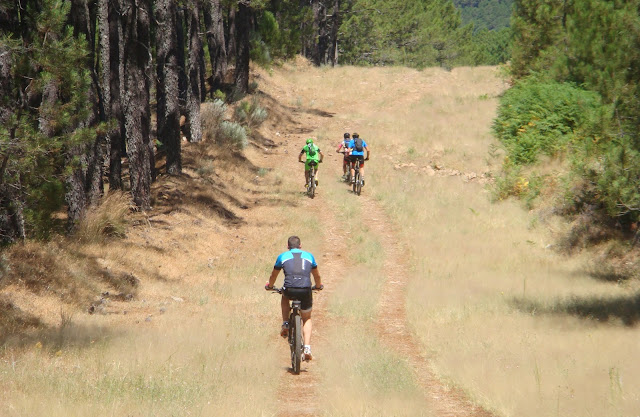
[[541, 117], [233, 134], [250, 113], [211, 116]]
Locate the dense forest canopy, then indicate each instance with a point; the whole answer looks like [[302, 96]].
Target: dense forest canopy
[[79, 80], [485, 14]]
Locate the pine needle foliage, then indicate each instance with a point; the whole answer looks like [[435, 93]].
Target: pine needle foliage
[[45, 98]]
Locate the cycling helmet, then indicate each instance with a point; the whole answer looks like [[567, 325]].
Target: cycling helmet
[[309, 141], [347, 135], [355, 135]]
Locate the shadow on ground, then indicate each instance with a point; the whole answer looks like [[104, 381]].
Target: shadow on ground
[[626, 308]]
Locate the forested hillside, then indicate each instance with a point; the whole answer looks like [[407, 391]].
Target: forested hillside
[[487, 14], [576, 100]]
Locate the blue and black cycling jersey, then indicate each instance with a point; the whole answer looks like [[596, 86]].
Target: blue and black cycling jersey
[[352, 146], [297, 265]]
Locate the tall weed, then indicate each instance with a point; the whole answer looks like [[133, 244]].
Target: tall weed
[[108, 219]]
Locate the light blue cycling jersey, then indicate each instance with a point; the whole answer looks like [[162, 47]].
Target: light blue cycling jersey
[[297, 265], [352, 145]]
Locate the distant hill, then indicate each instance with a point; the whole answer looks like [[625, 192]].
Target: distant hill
[[490, 14]]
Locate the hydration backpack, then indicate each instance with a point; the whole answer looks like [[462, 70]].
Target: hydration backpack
[[311, 150], [358, 145]]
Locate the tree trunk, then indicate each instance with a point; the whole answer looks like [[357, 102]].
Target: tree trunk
[[215, 40], [243, 31], [231, 32], [321, 32], [182, 69], [116, 84], [333, 40], [194, 127], [167, 89], [136, 29], [84, 184], [11, 206]]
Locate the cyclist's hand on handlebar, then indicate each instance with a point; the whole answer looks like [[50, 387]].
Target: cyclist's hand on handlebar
[[267, 287], [316, 288]]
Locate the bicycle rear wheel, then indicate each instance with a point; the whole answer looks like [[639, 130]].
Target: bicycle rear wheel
[[296, 345]]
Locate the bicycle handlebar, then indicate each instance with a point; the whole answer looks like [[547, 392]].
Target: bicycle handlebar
[[279, 289]]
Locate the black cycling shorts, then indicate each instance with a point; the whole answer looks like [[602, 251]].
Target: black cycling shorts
[[300, 294], [355, 158]]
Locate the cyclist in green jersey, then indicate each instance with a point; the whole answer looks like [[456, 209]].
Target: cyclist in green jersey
[[313, 153]]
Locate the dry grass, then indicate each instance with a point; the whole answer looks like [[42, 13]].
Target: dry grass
[[521, 329], [108, 219]]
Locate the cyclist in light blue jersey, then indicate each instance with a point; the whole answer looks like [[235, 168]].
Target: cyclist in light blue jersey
[[298, 266]]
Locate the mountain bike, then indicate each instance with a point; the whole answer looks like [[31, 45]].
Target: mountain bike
[[311, 185], [296, 342]]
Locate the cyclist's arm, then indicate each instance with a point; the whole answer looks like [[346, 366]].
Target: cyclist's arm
[[368, 152], [321, 155], [300, 156], [274, 275], [339, 147], [316, 277]]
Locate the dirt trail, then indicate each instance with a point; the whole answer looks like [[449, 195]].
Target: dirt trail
[[391, 323], [306, 401]]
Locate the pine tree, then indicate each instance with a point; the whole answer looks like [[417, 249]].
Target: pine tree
[[168, 109]]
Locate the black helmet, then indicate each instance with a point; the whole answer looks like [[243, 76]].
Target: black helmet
[[355, 135], [347, 135]]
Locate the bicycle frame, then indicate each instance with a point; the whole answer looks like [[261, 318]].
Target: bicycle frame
[[311, 185]]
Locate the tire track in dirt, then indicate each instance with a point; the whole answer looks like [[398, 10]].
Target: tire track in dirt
[[298, 394], [392, 321]]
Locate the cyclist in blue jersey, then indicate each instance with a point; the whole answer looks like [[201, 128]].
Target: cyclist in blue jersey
[[298, 266], [357, 146]]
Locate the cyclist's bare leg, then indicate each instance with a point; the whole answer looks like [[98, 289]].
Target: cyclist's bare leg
[[286, 308], [306, 326], [306, 176]]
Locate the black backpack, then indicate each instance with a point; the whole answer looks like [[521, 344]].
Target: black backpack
[[358, 145]]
